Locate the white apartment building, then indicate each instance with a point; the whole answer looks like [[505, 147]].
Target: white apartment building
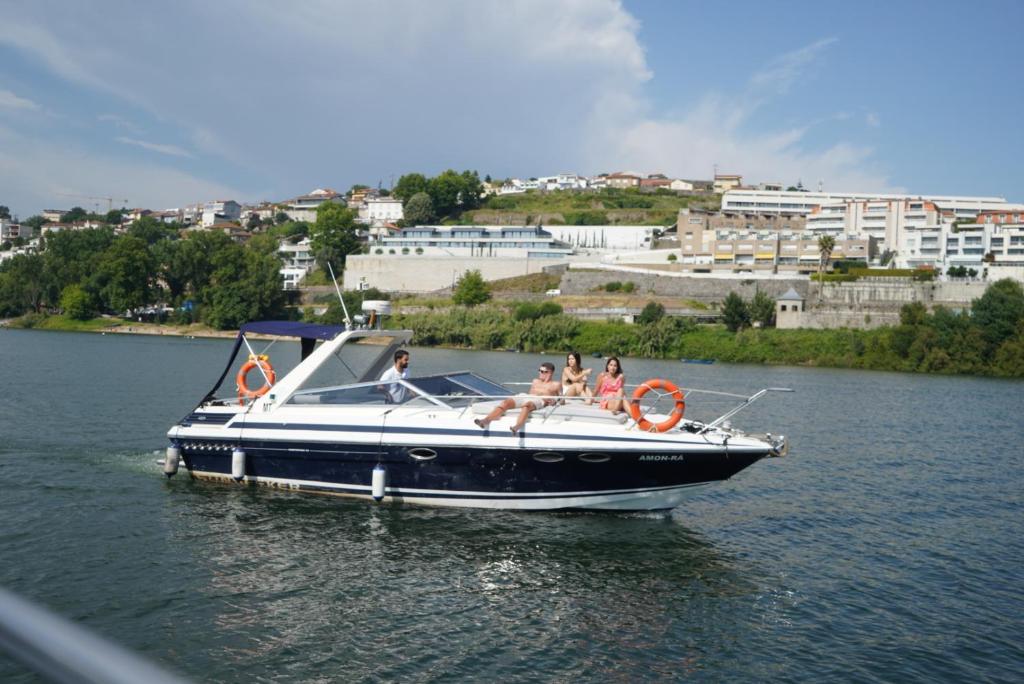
[[518, 242], [297, 260], [994, 242], [220, 211], [563, 181], [303, 208], [9, 230], [516, 186], [798, 202], [378, 210]]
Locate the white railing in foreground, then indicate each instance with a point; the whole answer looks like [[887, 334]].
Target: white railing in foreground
[[62, 651]]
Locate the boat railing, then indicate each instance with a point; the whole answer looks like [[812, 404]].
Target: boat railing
[[552, 404], [61, 651], [743, 399]]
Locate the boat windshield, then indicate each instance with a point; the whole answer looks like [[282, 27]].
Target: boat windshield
[[458, 389], [453, 389]]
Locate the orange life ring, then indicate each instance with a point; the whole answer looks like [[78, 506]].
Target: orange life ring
[[673, 418], [243, 389]]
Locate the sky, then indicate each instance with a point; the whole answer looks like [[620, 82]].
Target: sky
[[161, 105]]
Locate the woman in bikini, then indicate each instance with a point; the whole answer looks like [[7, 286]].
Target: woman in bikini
[[610, 385], [574, 377]]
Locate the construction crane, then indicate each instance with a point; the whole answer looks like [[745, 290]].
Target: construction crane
[[110, 200]]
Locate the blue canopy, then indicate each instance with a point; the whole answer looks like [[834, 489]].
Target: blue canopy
[[293, 329]]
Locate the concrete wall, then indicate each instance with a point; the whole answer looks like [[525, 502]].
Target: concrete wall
[[411, 273], [828, 319], [707, 290], [893, 293]]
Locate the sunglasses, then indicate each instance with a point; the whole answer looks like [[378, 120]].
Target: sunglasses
[[543, 370]]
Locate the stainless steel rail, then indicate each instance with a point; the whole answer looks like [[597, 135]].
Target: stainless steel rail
[[64, 652]]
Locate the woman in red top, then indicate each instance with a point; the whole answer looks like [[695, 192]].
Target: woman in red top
[[610, 385]]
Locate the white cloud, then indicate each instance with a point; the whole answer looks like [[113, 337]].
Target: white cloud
[[172, 150], [324, 93], [716, 131], [780, 73], [35, 172], [9, 100], [120, 122], [872, 120]]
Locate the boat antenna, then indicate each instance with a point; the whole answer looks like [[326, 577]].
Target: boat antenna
[[348, 321]]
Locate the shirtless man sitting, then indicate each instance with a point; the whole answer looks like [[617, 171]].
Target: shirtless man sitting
[[543, 386]]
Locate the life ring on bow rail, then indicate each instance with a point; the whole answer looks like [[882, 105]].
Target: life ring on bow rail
[[243, 389], [673, 418]]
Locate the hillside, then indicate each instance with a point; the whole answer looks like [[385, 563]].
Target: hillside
[[605, 207]]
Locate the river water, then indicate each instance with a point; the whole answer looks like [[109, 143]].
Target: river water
[[888, 546]]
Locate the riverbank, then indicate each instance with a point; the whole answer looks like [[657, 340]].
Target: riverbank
[[938, 344], [114, 326]]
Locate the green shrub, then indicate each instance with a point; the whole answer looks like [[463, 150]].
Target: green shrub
[[613, 286], [628, 287], [652, 313], [586, 218]]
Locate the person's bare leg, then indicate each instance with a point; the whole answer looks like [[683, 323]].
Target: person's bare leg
[[523, 417], [498, 412]]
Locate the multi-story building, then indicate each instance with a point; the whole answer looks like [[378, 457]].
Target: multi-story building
[[219, 212], [901, 226], [801, 202], [995, 241], [732, 242], [622, 180], [54, 215], [379, 210], [9, 230], [531, 242], [726, 181], [303, 207], [296, 261]]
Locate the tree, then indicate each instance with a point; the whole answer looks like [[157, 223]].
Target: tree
[[72, 257], [408, 185], [150, 230], [75, 214], [419, 210], [735, 312], [914, 313], [652, 313], [35, 222], [762, 309], [187, 266], [76, 303], [246, 286], [113, 217], [471, 289], [334, 235], [826, 243], [999, 311], [445, 190], [5, 213], [123, 274], [22, 285], [281, 217]]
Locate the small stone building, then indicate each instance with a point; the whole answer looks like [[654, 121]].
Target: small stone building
[[789, 310]]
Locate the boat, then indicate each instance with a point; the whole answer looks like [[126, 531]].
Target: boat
[[701, 361], [328, 426]]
